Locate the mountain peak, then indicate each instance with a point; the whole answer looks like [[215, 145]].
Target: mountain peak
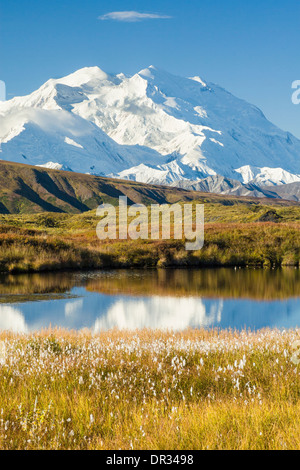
[[154, 72], [83, 76], [196, 78], [153, 127], [147, 72]]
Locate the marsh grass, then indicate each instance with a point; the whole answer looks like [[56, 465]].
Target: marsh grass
[[236, 234], [149, 390], [29, 247]]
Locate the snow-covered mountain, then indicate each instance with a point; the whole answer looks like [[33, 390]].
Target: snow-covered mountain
[[153, 127], [227, 186]]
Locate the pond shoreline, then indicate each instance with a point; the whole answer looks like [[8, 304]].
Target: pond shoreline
[[33, 253], [72, 244]]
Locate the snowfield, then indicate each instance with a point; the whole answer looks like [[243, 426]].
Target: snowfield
[[153, 127]]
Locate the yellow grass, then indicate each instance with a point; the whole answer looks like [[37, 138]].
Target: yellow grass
[[149, 390]]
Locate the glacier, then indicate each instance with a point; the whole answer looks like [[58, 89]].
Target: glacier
[[152, 127]]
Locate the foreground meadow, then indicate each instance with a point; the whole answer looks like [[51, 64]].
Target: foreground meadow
[[150, 390]]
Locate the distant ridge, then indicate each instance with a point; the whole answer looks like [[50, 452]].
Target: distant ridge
[[226, 186], [30, 189]]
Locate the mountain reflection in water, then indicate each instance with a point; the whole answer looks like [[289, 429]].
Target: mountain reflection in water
[[164, 299]]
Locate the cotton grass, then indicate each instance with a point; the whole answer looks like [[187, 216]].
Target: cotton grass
[[148, 389]]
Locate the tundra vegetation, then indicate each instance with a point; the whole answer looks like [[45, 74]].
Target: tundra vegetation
[[150, 390], [48, 222], [236, 234]]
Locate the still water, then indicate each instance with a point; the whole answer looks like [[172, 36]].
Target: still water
[[170, 299]]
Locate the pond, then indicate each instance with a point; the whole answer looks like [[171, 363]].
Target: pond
[[173, 299]]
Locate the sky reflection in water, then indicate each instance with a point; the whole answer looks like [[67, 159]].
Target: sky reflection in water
[[171, 299]]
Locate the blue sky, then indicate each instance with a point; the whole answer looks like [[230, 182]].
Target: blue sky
[[249, 47]]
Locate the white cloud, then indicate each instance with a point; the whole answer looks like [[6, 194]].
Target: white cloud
[[12, 319], [73, 308], [162, 313], [131, 16]]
